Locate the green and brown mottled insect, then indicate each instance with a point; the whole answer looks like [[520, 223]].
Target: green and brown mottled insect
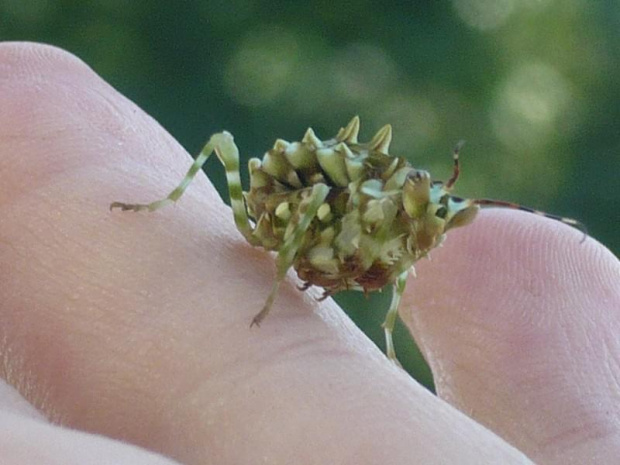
[[344, 214]]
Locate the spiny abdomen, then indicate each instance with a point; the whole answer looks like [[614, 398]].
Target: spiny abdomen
[[359, 238]]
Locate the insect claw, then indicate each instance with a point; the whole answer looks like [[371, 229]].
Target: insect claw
[[258, 318], [382, 139], [326, 293], [128, 206], [580, 226]]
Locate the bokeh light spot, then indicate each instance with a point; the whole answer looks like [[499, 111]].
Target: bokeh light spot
[[260, 69], [361, 72], [529, 102], [484, 14], [224, 13], [414, 119]]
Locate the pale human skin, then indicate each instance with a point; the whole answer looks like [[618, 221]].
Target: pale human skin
[[135, 327]]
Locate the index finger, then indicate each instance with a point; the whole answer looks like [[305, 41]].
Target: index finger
[[136, 326]]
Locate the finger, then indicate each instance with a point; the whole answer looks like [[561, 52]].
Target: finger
[[519, 322], [136, 326], [26, 441], [13, 403], [27, 438]]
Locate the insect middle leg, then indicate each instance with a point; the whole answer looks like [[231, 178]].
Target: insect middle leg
[[390, 318], [286, 254], [224, 146]]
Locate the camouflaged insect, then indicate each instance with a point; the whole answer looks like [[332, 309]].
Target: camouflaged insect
[[344, 214]]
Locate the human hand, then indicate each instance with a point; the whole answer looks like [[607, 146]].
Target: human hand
[[134, 327]]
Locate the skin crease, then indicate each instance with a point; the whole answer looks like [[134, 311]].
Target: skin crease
[[134, 329]]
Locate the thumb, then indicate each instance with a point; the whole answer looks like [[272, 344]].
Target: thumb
[[519, 322]]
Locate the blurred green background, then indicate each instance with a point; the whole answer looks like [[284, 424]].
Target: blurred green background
[[532, 85]]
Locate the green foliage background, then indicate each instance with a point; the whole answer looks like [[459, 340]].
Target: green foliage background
[[532, 85]]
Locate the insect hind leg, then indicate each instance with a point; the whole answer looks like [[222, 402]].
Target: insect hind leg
[[286, 254], [224, 146], [515, 206]]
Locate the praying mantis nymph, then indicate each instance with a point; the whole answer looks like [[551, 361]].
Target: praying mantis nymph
[[343, 214]]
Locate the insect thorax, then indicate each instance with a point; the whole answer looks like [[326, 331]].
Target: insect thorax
[[380, 216]]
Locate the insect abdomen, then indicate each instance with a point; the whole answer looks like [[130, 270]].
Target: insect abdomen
[[359, 238]]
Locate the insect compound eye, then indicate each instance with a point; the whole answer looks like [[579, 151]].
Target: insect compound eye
[[416, 193], [418, 175]]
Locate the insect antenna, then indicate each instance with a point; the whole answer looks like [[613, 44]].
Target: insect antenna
[[503, 204], [515, 206], [457, 168]]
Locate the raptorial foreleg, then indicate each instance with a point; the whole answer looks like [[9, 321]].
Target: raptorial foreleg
[[286, 254]]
